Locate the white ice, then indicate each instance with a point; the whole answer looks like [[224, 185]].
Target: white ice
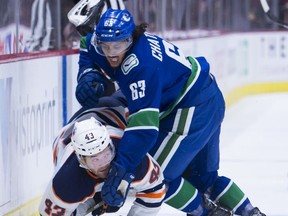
[[254, 153]]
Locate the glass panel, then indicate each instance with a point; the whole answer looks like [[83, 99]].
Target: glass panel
[[8, 27], [41, 25]]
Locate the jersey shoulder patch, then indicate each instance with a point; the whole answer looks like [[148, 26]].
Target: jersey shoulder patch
[[129, 63]]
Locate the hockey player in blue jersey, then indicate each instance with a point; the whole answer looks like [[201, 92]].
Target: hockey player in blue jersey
[[176, 110]]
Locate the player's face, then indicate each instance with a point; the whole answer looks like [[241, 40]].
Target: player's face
[[99, 163], [114, 52]]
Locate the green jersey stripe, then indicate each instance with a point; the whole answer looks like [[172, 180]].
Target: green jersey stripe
[[185, 195], [195, 72], [147, 117], [142, 128], [232, 196], [170, 145]]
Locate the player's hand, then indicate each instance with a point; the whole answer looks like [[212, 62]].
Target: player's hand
[[116, 187], [105, 209], [100, 207], [91, 86]]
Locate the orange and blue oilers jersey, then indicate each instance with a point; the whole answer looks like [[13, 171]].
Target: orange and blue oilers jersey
[[73, 190]]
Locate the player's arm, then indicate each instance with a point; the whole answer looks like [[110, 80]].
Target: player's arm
[[91, 81], [143, 91], [139, 136]]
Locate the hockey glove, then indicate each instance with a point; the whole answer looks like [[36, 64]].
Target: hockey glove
[[91, 86], [100, 207], [116, 187], [105, 209]]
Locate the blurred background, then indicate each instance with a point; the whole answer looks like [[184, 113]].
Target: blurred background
[[41, 25]]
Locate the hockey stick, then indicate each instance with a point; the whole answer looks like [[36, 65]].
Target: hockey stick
[[98, 205], [269, 14]]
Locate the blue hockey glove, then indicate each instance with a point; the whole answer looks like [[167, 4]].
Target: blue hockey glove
[[91, 86], [116, 187]]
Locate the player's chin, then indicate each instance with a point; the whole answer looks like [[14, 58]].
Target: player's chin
[[103, 172], [114, 61]]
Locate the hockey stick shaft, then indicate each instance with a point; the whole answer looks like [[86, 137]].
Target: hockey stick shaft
[[265, 5], [269, 14], [98, 205]]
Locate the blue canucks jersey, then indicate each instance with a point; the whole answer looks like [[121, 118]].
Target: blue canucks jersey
[[156, 79]]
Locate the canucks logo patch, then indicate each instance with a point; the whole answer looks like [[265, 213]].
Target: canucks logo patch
[[130, 62]]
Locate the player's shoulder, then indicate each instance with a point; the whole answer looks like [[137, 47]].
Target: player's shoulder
[[138, 59], [146, 46], [86, 46], [146, 169], [72, 183], [147, 52]]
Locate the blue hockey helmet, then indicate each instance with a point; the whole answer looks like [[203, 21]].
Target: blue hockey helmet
[[114, 26]]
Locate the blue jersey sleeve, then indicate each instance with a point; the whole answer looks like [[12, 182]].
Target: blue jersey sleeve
[[86, 63]]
